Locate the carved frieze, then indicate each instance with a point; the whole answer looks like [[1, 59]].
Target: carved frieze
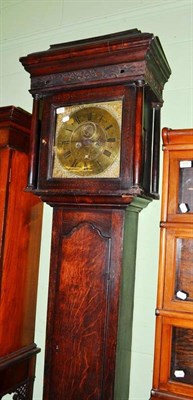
[[120, 72]]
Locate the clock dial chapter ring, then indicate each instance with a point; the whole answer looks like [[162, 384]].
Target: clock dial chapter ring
[[88, 142]]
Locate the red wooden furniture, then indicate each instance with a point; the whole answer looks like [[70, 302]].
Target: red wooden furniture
[[20, 230], [173, 365]]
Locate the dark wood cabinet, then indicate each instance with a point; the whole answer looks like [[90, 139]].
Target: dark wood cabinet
[[20, 230], [96, 161], [173, 365]]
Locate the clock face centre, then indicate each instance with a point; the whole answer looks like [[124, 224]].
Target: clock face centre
[[88, 129], [89, 140]]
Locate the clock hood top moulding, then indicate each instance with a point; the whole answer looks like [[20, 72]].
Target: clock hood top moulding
[[123, 57]]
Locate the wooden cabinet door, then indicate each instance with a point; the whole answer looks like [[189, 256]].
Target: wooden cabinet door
[[180, 188], [178, 283], [83, 305], [176, 362], [20, 255]]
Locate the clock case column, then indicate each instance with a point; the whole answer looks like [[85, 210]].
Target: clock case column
[[95, 220]]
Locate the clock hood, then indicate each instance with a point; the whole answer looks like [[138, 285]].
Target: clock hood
[[122, 57]]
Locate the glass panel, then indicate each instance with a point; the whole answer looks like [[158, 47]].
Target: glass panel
[[185, 195], [184, 269], [182, 355]]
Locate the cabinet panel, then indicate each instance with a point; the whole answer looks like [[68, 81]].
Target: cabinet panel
[[81, 309], [185, 192], [182, 355], [180, 202], [184, 268], [4, 176], [20, 260], [178, 287], [176, 361]]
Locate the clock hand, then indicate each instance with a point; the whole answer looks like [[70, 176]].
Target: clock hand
[[109, 140]]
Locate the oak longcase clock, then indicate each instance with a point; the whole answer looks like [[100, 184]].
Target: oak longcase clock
[[95, 159]]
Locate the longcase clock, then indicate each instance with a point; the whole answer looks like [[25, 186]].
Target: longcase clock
[[95, 160], [173, 365], [20, 231]]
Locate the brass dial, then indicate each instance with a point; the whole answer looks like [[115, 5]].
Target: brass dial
[[88, 141]]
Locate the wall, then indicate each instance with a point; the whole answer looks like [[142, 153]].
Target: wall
[[29, 26]]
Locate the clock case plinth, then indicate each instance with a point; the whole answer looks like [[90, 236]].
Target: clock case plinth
[[94, 234]]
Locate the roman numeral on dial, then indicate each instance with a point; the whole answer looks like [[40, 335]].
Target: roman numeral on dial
[[108, 127], [107, 153], [111, 140], [77, 119], [67, 154], [74, 164]]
